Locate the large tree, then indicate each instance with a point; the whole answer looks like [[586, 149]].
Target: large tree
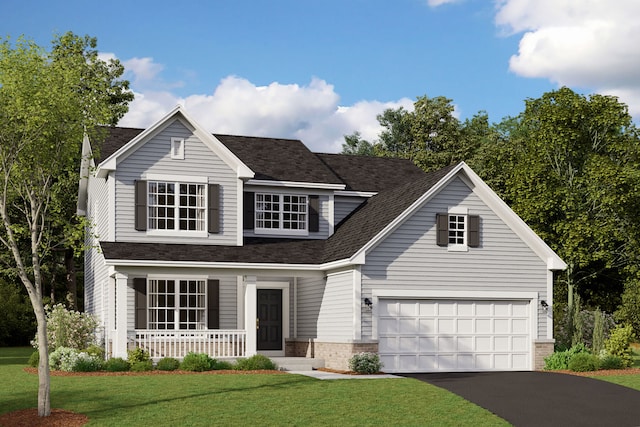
[[48, 101]]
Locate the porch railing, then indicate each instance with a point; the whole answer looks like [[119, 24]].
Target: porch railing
[[217, 343]]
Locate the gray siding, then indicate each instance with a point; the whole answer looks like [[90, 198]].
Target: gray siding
[[410, 259], [154, 157], [343, 206], [335, 318], [309, 294]]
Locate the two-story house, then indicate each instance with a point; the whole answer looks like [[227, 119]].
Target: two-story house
[[234, 246]]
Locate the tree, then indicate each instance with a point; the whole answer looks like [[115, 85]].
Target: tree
[[355, 145], [48, 102]]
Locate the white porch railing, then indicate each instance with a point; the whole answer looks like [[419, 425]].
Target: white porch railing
[[217, 343]]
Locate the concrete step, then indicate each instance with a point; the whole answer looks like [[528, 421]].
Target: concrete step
[[297, 363]]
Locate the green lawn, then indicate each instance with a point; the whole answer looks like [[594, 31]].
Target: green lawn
[[632, 381], [257, 400]]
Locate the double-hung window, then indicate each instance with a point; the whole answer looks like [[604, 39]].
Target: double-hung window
[[176, 206], [281, 212], [457, 230], [177, 304]]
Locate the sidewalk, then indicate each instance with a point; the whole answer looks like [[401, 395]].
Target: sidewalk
[[322, 375]]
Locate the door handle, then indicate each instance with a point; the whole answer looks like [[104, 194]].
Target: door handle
[[257, 323]]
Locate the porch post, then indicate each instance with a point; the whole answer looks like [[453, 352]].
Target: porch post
[[250, 313], [121, 309]]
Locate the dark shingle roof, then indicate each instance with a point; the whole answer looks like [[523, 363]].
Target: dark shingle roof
[[367, 173], [279, 159], [114, 140]]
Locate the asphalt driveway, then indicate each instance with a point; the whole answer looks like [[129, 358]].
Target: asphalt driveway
[[544, 398]]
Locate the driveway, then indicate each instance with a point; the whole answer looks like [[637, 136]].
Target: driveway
[[544, 398]]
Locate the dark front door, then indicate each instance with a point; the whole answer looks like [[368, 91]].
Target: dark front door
[[269, 319]]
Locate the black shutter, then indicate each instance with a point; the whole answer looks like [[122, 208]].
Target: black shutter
[[140, 287], [473, 236], [314, 214], [442, 227], [249, 210], [141, 205], [214, 208], [213, 304]]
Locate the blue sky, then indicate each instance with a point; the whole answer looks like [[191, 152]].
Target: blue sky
[[319, 70]]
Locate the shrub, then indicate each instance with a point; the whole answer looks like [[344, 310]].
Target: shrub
[[220, 365], [34, 359], [168, 364], [365, 363], [560, 359], [563, 326], [87, 363], [141, 366], [584, 362], [63, 359], [196, 362], [138, 355], [256, 362], [95, 351], [68, 328], [610, 361], [619, 344], [597, 342], [116, 364]]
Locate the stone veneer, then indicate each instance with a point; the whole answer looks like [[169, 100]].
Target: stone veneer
[[541, 349], [336, 355]]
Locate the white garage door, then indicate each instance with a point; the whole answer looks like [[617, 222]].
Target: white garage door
[[454, 335]]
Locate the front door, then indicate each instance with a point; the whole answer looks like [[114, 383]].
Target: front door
[[269, 319]]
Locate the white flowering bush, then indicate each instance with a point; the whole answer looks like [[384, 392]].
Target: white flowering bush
[[365, 363], [68, 328], [72, 360]]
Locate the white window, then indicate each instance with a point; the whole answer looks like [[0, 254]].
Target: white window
[[177, 148], [457, 229], [176, 206], [281, 212], [177, 304]]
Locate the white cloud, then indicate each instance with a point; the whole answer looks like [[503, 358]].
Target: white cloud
[[591, 44], [309, 112], [436, 3]]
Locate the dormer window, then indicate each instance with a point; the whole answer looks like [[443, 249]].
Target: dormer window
[[177, 148], [281, 212]]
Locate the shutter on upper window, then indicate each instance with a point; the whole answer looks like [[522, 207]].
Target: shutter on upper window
[[214, 208], [213, 304], [141, 205], [140, 287], [249, 210], [442, 227], [314, 213], [473, 236]]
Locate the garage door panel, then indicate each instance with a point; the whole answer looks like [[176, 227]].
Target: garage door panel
[[451, 335]]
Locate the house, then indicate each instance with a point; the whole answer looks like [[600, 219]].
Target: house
[[235, 245]]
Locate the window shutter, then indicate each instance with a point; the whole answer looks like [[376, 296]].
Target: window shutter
[[213, 304], [314, 213], [249, 210], [214, 208], [473, 236], [140, 287], [141, 205], [442, 227]]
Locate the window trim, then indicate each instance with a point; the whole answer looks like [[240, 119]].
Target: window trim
[[280, 230]]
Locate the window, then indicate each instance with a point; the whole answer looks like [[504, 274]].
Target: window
[[176, 206], [177, 148], [177, 304], [281, 212], [457, 230]]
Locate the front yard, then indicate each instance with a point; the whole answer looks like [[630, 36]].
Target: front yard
[[262, 399]]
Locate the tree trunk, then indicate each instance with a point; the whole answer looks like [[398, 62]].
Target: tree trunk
[[44, 399]]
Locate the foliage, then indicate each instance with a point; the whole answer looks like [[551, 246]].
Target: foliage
[[17, 322], [68, 328], [365, 363], [168, 364], [562, 326], [255, 363], [560, 360], [598, 336], [116, 364], [576, 321], [354, 144], [34, 359], [87, 363], [96, 351], [196, 362], [138, 354], [610, 361], [584, 362], [72, 360], [222, 365], [141, 366], [619, 344], [629, 310]]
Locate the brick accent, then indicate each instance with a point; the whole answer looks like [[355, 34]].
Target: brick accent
[[541, 349], [336, 355]]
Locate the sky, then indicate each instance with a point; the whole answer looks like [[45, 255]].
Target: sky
[[319, 70]]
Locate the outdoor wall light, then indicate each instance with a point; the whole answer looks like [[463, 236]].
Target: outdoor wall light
[[368, 302], [544, 304]]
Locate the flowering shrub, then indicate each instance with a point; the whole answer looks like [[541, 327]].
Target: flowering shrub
[[365, 363], [68, 328]]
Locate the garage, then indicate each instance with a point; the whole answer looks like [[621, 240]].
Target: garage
[[452, 335]]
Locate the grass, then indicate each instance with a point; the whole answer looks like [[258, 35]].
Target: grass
[[259, 400], [631, 381]]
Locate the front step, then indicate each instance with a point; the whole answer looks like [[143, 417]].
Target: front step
[[297, 363]]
